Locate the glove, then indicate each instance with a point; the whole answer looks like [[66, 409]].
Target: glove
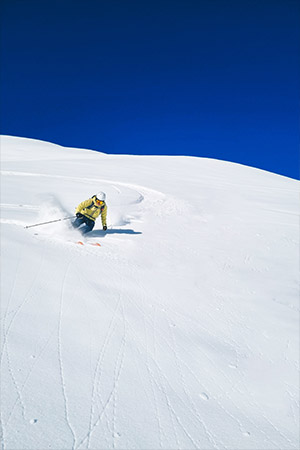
[[105, 228], [78, 215]]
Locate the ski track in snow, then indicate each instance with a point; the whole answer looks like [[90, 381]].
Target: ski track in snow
[[92, 181], [96, 394], [5, 346], [160, 386], [60, 358], [142, 351], [36, 359]]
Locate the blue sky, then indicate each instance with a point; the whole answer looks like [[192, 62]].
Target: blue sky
[[212, 78]]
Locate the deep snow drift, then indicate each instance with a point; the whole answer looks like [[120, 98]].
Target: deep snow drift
[[179, 332]]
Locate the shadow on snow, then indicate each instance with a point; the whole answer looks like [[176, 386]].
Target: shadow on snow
[[99, 233]]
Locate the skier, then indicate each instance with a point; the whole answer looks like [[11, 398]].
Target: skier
[[88, 211]]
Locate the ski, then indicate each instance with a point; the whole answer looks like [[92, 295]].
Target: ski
[[95, 244]]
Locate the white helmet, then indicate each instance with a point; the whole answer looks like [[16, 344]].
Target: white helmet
[[101, 196]]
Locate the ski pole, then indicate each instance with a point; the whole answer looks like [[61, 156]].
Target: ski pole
[[51, 221]]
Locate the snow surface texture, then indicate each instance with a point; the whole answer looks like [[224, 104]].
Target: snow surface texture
[[179, 332]]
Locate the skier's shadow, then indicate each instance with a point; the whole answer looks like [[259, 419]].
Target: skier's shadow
[[102, 233]]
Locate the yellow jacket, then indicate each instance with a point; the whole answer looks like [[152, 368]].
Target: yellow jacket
[[90, 209]]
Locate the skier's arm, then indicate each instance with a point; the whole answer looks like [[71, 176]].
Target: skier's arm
[[103, 216], [83, 205]]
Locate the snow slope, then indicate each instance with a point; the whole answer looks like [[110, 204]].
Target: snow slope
[[179, 332]]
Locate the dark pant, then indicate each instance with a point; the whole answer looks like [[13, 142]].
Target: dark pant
[[80, 221]]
